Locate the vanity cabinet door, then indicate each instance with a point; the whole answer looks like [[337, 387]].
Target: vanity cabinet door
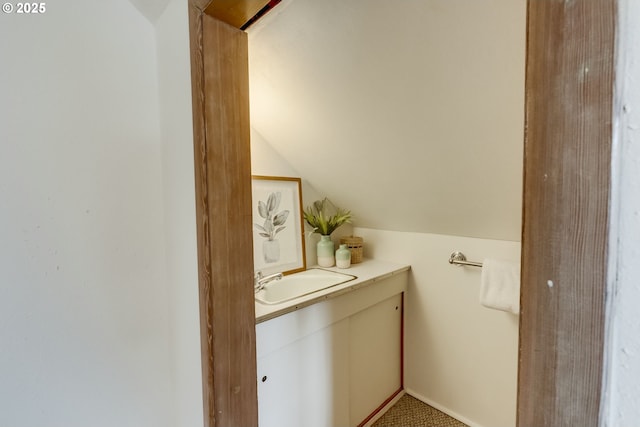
[[375, 353], [305, 383], [331, 364]]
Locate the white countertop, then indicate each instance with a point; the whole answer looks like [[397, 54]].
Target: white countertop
[[367, 272]]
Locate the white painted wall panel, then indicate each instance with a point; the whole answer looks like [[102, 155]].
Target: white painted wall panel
[[622, 364], [84, 326], [174, 81]]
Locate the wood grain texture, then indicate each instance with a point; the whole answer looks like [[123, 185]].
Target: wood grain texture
[[223, 208], [202, 220], [201, 5], [235, 12], [566, 189]]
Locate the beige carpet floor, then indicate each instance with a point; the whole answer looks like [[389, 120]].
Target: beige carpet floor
[[410, 412]]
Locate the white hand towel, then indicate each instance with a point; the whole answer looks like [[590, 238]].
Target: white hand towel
[[500, 285]]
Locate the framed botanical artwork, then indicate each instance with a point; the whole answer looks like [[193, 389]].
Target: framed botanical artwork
[[278, 232]]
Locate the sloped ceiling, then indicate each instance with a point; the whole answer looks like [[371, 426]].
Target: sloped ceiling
[[408, 113]]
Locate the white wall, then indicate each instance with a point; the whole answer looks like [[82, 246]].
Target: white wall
[[460, 357], [84, 306], [622, 362], [172, 36], [411, 115]]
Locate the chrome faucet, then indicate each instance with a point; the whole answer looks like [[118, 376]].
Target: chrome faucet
[[260, 281]]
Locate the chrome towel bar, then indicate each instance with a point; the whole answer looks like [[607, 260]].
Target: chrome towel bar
[[458, 259]]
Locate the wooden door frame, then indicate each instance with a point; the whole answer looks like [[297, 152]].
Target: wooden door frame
[[220, 101], [569, 93], [568, 122]]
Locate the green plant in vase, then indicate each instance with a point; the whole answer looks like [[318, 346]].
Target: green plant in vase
[[324, 217]]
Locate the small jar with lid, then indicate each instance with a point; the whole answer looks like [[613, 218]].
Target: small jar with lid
[[343, 257]]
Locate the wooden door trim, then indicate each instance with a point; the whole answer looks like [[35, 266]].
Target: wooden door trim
[[220, 102], [569, 99]]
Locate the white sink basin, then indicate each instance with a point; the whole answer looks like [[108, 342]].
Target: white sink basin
[[300, 284]]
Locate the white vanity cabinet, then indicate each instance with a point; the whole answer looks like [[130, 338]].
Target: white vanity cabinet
[[332, 363]]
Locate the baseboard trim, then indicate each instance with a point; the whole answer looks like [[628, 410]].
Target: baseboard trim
[[444, 409], [378, 413]]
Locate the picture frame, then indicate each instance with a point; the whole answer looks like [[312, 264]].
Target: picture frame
[[278, 228]]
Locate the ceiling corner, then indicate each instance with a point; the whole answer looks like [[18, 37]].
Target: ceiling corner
[[150, 9]]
